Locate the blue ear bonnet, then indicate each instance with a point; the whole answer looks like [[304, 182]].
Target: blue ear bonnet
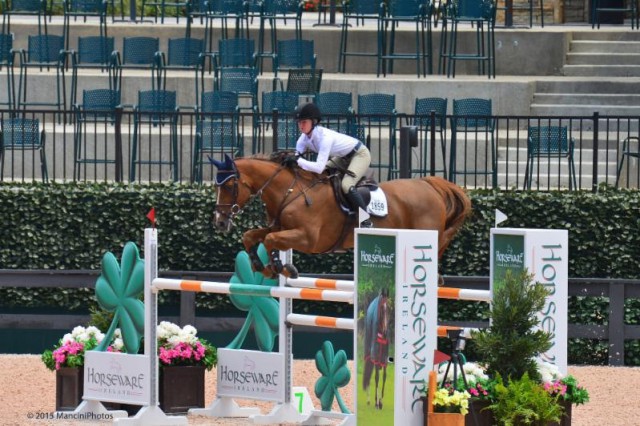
[[226, 169]]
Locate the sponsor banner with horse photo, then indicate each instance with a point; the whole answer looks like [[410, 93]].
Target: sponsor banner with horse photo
[[396, 273]]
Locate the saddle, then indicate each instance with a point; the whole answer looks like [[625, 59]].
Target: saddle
[[335, 174], [364, 187]]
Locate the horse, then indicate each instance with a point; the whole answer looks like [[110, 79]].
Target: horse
[[303, 214], [376, 345]]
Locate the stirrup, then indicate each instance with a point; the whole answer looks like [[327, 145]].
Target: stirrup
[[366, 224]]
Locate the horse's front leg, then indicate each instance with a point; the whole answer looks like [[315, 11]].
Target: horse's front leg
[[275, 242], [251, 239], [378, 399], [384, 380]]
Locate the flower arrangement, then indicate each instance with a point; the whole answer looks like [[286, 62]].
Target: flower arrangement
[[451, 401], [181, 346], [176, 346], [69, 351], [479, 385]]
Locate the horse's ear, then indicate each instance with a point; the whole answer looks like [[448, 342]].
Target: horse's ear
[[219, 164], [228, 162]]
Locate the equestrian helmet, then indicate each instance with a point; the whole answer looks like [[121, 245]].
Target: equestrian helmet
[[309, 111]]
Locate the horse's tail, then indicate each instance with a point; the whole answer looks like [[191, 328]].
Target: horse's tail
[[457, 203], [369, 333]]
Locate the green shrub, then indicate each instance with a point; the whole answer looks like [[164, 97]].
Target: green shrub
[[71, 225]]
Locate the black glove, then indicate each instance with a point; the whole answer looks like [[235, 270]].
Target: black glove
[[290, 160]]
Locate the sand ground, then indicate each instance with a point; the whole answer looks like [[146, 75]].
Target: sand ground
[[28, 388]]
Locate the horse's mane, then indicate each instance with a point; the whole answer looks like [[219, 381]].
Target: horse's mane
[[277, 157], [259, 156]]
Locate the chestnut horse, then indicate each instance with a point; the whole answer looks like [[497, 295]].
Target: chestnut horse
[[303, 214]]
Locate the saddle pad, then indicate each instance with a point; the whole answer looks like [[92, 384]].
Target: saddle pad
[[378, 204]]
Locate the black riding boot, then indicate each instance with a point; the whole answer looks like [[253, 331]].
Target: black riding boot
[[357, 202]]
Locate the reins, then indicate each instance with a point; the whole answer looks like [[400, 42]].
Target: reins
[[235, 208]]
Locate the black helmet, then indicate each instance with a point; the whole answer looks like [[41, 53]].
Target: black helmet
[[309, 111]]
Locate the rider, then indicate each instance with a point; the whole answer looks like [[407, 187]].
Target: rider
[[335, 147]]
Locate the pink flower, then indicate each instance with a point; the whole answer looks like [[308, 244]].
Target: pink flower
[[75, 348]]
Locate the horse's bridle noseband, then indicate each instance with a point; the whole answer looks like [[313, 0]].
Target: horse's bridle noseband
[[234, 207]]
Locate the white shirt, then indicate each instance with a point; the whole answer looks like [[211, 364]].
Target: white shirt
[[326, 143]]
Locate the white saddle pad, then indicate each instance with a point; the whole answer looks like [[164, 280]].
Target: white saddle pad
[[378, 204]]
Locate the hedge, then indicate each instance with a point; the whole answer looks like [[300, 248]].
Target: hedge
[[71, 225]]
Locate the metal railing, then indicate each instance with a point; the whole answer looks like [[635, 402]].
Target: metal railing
[[500, 155], [614, 330]]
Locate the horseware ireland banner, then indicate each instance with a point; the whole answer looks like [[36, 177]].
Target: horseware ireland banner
[[544, 253], [396, 273]]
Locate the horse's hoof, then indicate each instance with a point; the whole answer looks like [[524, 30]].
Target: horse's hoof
[[290, 271]]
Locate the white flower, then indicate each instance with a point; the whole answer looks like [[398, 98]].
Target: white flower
[[67, 338], [548, 372], [472, 371], [168, 329], [118, 344], [78, 331], [174, 341], [189, 329]]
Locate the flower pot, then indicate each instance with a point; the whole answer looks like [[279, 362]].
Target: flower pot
[[477, 415], [566, 416], [69, 388], [446, 419], [181, 388]]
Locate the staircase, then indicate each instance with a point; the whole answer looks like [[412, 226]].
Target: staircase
[[605, 71]]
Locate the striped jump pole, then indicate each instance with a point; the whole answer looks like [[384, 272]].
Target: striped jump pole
[[253, 290], [322, 321], [464, 294], [321, 283]]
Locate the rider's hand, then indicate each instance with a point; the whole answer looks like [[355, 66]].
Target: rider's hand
[[290, 160]]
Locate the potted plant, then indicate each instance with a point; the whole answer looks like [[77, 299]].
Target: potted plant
[[444, 406], [511, 343], [478, 385], [534, 393], [183, 358], [67, 360], [524, 401], [565, 389]]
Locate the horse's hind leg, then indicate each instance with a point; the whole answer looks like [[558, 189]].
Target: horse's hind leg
[[384, 380], [378, 398]]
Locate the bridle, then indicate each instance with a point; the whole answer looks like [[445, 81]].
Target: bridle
[[234, 207]]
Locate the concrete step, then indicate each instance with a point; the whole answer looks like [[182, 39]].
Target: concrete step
[[603, 99], [584, 110], [605, 71], [606, 35], [601, 58], [589, 85], [600, 46]]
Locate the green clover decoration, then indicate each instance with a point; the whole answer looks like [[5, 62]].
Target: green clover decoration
[[118, 289], [262, 312], [335, 374]]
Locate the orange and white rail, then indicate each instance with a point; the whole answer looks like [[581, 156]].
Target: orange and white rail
[[443, 330], [321, 321], [252, 290], [464, 294], [320, 283]]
